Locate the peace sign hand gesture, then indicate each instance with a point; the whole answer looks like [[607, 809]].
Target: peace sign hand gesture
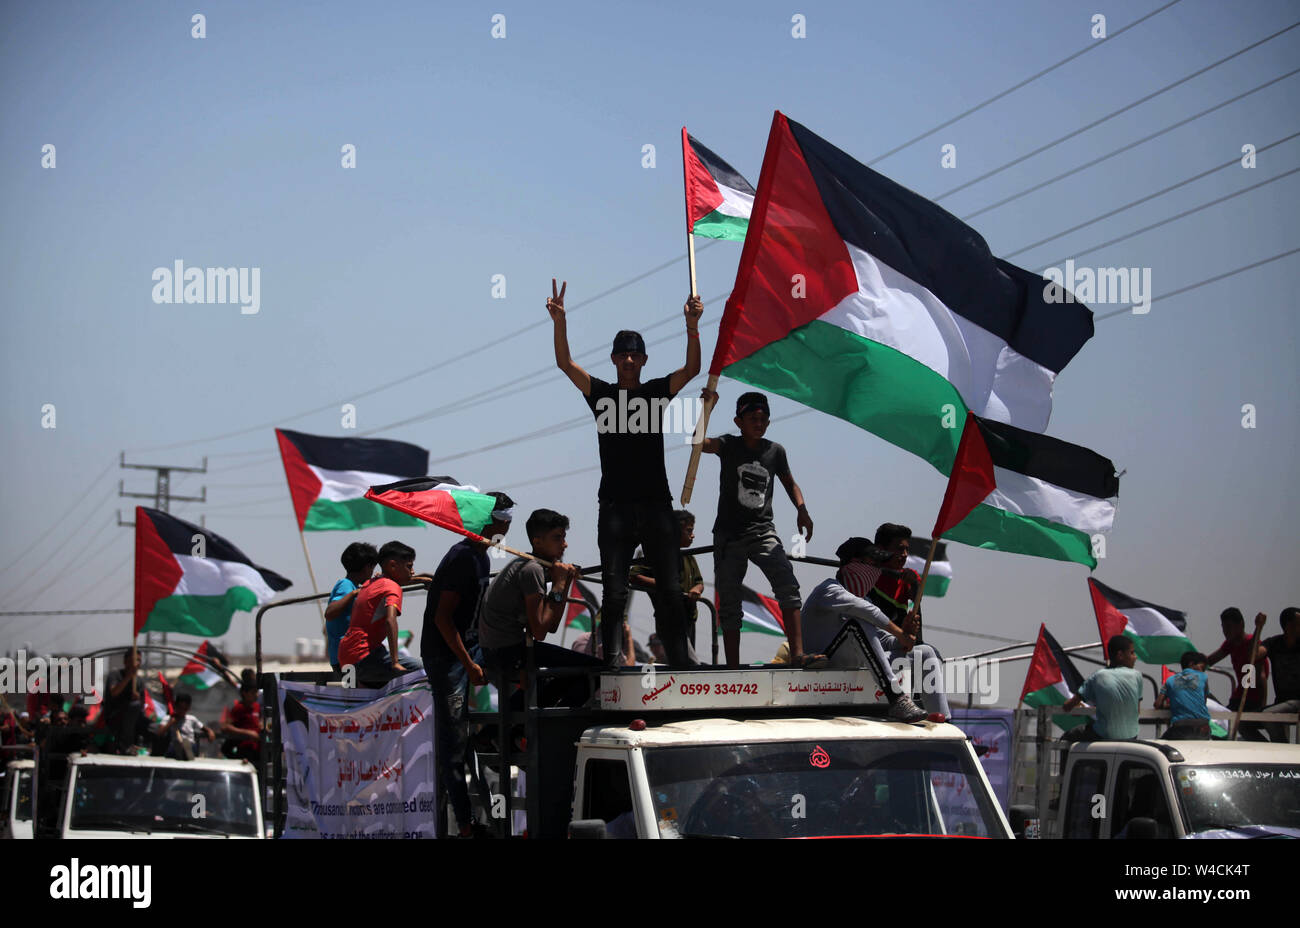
[[555, 305]]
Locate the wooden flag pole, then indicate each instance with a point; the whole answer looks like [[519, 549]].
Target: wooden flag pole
[[1260, 619], [302, 536], [920, 589], [702, 426]]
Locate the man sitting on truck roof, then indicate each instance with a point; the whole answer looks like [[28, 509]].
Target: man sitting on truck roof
[[1184, 693], [831, 604], [1116, 691], [517, 604], [1284, 656]]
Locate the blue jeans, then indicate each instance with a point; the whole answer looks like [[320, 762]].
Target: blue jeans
[[619, 527], [450, 685], [930, 668]]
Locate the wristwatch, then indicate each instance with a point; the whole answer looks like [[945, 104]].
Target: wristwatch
[[555, 596]]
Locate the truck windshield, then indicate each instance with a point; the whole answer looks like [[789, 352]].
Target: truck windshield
[[153, 799], [804, 789], [1238, 795]]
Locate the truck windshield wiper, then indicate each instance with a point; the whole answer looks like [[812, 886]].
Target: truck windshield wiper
[[198, 828], [110, 822]]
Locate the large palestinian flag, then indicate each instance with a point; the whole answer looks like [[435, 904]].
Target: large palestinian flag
[[198, 672], [191, 580], [1158, 632], [864, 300], [759, 613], [718, 199], [936, 584], [1015, 490], [440, 500], [328, 479]]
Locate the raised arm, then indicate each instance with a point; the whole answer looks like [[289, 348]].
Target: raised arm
[[680, 377], [563, 360]]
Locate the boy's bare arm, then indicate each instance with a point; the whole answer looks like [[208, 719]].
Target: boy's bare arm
[[391, 618], [802, 520], [680, 377], [563, 359], [336, 608]]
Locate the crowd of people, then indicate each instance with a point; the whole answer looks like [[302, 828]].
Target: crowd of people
[[1116, 690], [131, 720]]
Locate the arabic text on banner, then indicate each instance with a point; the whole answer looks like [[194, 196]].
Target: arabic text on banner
[[359, 763]]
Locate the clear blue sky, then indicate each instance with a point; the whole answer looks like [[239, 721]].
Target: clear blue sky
[[523, 156]]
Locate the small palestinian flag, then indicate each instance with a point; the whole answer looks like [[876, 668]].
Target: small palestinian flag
[[328, 479], [152, 709], [1212, 704], [581, 617], [1052, 678], [1011, 489], [440, 500], [191, 580], [936, 584], [198, 673], [718, 199], [758, 613], [1158, 632], [168, 696]]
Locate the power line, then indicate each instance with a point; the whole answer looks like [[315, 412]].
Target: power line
[[71, 612], [1109, 116], [1146, 138], [1150, 196], [70, 510], [1202, 283], [459, 356], [1029, 80], [1182, 215]]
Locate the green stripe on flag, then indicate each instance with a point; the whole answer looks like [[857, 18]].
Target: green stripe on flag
[[352, 515], [989, 527], [1160, 649], [720, 225], [475, 509], [871, 385], [203, 616], [936, 586]]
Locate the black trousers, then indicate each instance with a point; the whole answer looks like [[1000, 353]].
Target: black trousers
[[620, 528]]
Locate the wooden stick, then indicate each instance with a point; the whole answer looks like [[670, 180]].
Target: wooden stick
[[312, 574], [697, 440], [1260, 619], [920, 589]]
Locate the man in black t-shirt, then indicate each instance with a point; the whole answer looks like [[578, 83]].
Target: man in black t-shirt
[[1284, 656], [635, 502], [124, 703], [449, 649]]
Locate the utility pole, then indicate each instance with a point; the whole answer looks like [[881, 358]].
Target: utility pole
[[162, 498]]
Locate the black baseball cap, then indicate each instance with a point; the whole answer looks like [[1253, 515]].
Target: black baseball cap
[[748, 402], [626, 341]]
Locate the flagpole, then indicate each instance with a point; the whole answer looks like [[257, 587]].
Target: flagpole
[[701, 427], [302, 536], [920, 589], [1254, 651]]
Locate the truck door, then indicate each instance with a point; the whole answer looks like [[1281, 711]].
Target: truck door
[[607, 795], [1139, 793], [1087, 785]]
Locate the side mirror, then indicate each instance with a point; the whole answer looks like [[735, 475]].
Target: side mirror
[[1141, 827], [587, 828]]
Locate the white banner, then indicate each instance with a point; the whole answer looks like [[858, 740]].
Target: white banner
[[359, 763]]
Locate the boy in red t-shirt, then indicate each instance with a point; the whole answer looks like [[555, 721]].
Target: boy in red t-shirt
[[1237, 644], [375, 609], [242, 726]]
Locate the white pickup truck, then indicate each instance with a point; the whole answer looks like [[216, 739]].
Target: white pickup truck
[[781, 778], [754, 753], [1173, 789], [114, 796]]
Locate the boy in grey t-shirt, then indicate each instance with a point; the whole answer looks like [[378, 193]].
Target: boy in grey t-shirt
[[518, 602], [744, 531]]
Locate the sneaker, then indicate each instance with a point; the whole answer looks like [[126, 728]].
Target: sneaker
[[904, 710]]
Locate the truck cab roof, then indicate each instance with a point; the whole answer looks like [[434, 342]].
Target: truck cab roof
[[132, 760], [729, 731], [1200, 753]]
